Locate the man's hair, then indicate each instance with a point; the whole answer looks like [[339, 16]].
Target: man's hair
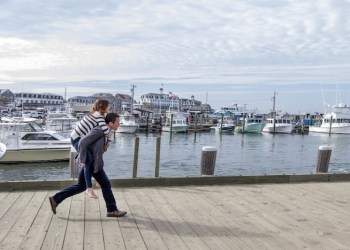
[[111, 117]]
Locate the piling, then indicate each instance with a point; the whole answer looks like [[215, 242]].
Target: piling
[[323, 158], [136, 157], [73, 164], [156, 167], [208, 160]]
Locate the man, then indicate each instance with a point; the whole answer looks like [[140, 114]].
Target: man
[[95, 139]]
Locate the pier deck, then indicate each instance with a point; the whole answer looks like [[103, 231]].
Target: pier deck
[[257, 216]]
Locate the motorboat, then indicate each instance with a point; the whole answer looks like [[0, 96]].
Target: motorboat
[[127, 124], [62, 122], [250, 124], [335, 121], [176, 122], [224, 127], [278, 124], [28, 142]]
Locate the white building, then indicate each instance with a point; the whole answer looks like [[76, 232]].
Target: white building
[[29, 100], [160, 102]]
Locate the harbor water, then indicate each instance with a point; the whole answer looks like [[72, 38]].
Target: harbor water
[[237, 154]]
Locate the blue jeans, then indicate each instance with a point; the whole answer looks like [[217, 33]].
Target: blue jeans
[[88, 163], [80, 187]]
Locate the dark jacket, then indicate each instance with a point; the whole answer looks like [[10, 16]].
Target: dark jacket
[[96, 140]]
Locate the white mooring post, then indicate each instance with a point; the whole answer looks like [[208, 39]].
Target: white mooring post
[[323, 158], [73, 165], [208, 160]]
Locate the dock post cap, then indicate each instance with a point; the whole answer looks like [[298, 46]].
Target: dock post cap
[[325, 147], [209, 148]]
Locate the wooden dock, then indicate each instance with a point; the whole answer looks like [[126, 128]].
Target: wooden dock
[[254, 216]]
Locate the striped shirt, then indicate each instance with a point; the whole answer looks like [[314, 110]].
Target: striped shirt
[[88, 123]]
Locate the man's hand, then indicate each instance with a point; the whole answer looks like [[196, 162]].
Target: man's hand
[[82, 164]]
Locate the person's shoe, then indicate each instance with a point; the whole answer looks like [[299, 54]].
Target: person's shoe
[[53, 204], [117, 213], [90, 192]]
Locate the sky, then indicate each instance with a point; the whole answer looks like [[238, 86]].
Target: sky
[[221, 51]]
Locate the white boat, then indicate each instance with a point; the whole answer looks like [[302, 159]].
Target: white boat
[[335, 121], [234, 110], [176, 122], [127, 124], [225, 127], [28, 142], [61, 122], [279, 124], [250, 124]]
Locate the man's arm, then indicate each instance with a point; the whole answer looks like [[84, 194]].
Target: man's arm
[[84, 143]]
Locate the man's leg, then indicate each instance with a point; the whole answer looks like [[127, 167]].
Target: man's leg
[[68, 192], [102, 179]]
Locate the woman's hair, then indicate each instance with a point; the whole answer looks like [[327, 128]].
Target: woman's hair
[[100, 106]]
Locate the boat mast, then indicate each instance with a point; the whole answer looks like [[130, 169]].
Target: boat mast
[[274, 111]]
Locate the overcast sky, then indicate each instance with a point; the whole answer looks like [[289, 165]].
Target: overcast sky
[[219, 51]]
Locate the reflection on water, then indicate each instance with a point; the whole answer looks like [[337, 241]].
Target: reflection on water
[[237, 154]]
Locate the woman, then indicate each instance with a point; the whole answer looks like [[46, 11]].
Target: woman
[[94, 118]]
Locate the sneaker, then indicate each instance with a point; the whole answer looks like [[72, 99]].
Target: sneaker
[[117, 213], [90, 192], [53, 204]]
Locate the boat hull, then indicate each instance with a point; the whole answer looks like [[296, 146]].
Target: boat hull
[[282, 129], [127, 129], [175, 129], [250, 128], [36, 155], [333, 130]]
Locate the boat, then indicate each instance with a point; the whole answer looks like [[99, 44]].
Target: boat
[[278, 124], [250, 124], [62, 122], [176, 122], [224, 127], [335, 121], [127, 124], [233, 111], [28, 142]]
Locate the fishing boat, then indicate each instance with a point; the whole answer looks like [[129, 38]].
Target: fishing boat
[[127, 124], [28, 142], [62, 122], [176, 122], [278, 124], [224, 127], [250, 124], [335, 121]]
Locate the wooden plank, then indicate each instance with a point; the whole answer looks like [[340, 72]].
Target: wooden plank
[[312, 215], [131, 234], [112, 235], [8, 201], [56, 233], [19, 230], [150, 235], [230, 215], [210, 234], [181, 227], [12, 214], [288, 223], [37, 232], [3, 196], [271, 235], [163, 226], [93, 238], [74, 238]]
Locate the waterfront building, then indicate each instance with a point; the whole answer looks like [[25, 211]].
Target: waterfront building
[[160, 102], [192, 105], [123, 103], [29, 100], [81, 103], [6, 97]]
